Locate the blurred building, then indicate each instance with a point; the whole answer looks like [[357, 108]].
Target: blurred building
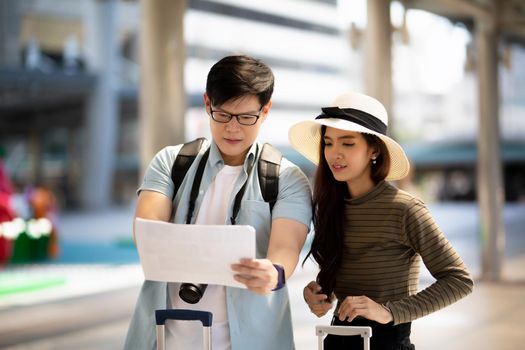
[[69, 77]]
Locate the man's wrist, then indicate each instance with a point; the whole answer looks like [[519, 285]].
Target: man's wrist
[[281, 278]]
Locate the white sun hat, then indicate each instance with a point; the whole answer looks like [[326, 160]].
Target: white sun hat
[[351, 112]]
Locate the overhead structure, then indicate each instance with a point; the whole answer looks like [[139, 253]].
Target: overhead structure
[[507, 17]]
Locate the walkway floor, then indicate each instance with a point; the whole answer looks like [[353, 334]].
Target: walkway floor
[[490, 318]]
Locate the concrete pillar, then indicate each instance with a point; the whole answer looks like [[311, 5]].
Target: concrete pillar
[[490, 179], [162, 94], [102, 114], [378, 53]]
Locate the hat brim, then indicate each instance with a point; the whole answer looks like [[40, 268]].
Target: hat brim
[[305, 137]]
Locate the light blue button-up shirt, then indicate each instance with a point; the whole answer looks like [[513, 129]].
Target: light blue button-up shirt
[[256, 322]]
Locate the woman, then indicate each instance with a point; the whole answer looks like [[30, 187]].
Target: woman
[[369, 235]]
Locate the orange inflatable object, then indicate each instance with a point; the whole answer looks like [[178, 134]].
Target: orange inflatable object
[[43, 203]]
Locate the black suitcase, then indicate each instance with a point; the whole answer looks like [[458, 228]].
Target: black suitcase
[[365, 332]]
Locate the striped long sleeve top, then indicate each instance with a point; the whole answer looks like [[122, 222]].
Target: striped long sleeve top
[[387, 233]]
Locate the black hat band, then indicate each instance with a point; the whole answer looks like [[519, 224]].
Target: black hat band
[[355, 116]]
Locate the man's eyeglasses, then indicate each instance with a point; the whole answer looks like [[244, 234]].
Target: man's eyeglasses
[[243, 119]]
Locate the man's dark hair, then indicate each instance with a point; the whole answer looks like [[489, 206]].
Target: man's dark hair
[[238, 76]]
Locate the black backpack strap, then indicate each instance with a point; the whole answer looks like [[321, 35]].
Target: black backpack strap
[[268, 168], [184, 160]]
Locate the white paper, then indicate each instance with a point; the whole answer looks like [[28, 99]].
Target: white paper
[[192, 253]]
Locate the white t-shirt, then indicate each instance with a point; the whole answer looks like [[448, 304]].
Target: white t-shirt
[[187, 335]]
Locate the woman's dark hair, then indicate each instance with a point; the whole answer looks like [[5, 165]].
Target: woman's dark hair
[[237, 76], [329, 212]]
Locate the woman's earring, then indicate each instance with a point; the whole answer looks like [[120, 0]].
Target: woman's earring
[[374, 161]]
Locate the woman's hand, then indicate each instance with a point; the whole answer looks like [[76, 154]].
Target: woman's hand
[[318, 303], [363, 306], [258, 275]]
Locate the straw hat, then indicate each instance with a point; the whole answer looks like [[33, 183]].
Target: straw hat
[[352, 112]]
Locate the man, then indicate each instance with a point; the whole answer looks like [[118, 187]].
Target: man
[[238, 100]]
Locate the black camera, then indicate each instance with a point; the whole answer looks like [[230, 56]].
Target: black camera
[[192, 293]]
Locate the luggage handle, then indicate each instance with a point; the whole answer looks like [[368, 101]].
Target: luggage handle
[[364, 332], [184, 315]]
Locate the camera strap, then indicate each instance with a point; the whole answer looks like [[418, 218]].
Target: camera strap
[[238, 197], [197, 182], [196, 185]]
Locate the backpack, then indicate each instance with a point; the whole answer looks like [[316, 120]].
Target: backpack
[[268, 169]]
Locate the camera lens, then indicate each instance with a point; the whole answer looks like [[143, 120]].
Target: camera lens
[[192, 293]]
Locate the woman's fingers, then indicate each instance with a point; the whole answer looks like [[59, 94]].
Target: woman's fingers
[[320, 309], [363, 306], [349, 308], [317, 302]]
